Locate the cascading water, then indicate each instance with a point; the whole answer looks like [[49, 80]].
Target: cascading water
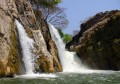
[[69, 60], [27, 46], [28, 57]]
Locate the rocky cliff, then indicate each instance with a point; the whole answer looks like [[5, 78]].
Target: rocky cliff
[[10, 49], [98, 42]]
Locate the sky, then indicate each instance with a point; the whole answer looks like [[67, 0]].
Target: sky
[[79, 10]]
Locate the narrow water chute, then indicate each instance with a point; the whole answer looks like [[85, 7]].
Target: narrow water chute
[[27, 46]]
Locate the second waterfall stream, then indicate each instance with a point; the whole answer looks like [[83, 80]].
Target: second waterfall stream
[[69, 60]]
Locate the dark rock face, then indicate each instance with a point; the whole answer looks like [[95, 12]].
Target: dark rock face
[[98, 45], [88, 24]]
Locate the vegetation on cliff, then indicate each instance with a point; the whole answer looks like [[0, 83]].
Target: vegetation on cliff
[[51, 12], [65, 37], [45, 3]]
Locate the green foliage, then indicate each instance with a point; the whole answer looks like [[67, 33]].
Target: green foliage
[[46, 3], [60, 32], [67, 38], [51, 12], [50, 2]]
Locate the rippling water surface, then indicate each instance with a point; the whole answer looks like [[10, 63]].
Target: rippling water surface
[[66, 78]]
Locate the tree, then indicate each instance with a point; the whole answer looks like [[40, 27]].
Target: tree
[[60, 32], [67, 38], [55, 16], [51, 12], [45, 3]]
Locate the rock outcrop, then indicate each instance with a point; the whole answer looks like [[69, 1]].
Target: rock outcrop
[[9, 55], [98, 42], [10, 50], [48, 60]]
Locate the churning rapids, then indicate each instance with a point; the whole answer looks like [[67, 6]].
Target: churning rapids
[[69, 60]]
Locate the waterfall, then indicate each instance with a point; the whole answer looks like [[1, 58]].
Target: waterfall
[[27, 46], [69, 60], [28, 58]]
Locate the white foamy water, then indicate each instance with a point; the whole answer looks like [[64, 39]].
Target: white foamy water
[[27, 46], [69, 60], [28, 57], [37, 76]]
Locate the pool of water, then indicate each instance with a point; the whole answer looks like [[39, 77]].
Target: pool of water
[[66, 78]]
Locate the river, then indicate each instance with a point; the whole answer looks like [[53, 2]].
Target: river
[[108, 77]]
